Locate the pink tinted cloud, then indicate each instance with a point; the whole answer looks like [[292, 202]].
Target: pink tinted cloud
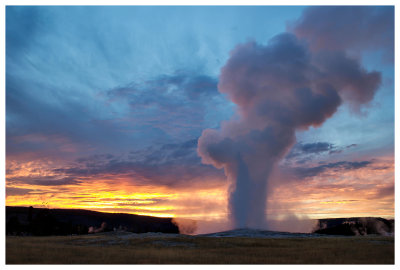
[[341, 28], [278, 88]]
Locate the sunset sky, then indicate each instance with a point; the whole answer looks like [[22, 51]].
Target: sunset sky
[[105, 106]]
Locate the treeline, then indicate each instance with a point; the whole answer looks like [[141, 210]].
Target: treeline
[[43, 221]]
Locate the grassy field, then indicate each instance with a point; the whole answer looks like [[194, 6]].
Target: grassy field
[[124, 249]]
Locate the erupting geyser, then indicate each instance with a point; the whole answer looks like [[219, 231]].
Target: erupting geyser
[[278, 88]]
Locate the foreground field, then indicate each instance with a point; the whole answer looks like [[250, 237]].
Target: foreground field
[[125, 248]]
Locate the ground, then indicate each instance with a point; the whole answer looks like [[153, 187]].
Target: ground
[[157, 248]]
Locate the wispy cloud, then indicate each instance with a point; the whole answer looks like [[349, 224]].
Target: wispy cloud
[[169, 164], [11, 191], [304, 172]]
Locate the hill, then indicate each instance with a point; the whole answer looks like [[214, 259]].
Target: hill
[[43, 221], [355, 226]]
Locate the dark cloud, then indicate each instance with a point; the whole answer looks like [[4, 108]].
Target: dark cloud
[[316, 147], [174, 164], [383, 192], [347, 28], [351, 145], [57, 182], [304, 152], [43, 180], [305, 172], [95, 157], [165, 90], [335, 151], [304, 149], [172, 103], [11, 191]]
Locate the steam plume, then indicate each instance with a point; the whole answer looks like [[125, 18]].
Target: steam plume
[[278, 88], [351, 28]]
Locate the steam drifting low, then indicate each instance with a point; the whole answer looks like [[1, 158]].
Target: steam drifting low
[[287, 85]]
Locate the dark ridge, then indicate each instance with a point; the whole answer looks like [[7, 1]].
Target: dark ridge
[[355, 226], [43, 221]]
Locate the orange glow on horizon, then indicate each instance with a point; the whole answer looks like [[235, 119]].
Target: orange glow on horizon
[[334, 194]]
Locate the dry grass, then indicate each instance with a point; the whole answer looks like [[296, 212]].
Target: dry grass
[[111, 249]]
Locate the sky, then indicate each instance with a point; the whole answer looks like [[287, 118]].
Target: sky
[[105, 107]]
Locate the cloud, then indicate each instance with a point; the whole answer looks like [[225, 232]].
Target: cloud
[[181, 85], [279, 88], [304, 152], [180, 104], [47, 125], [305, 149], [168, 164], [351, 145], [11, 191], [73, 81], [43, 180], [306, 172], [347, 28], [354, 83], [316, 147], [163, 110], [384, 192]]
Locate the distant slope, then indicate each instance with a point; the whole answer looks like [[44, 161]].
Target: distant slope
[[333, 226], [355, 226], [39, 221], [255, 233], [42, 221]]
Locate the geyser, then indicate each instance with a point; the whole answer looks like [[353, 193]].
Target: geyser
[[278, 88]]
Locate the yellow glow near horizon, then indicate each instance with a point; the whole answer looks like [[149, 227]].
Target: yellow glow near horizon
[[122, 197], [317, 198]]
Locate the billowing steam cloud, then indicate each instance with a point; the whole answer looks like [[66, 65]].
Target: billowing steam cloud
[[349, 28], [278, 88]]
